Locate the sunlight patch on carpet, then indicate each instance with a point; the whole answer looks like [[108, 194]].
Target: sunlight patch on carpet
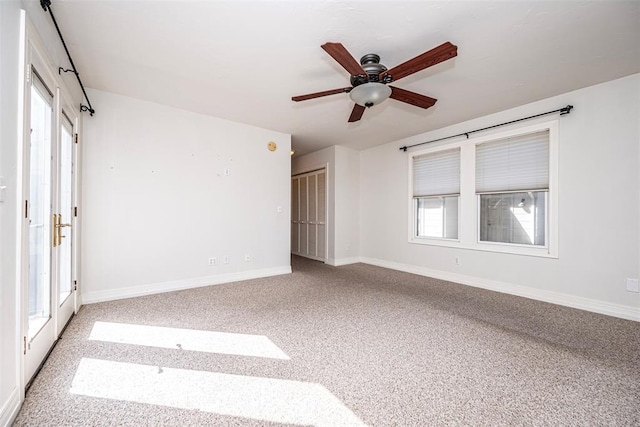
[[265, 399], [187, 339]]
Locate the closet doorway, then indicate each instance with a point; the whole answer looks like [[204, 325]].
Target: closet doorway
[[309, 214]]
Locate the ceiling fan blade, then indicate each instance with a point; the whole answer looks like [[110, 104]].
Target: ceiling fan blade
[[319, 94], [434, 56], [344, 58], [412, 98], [356, 113]]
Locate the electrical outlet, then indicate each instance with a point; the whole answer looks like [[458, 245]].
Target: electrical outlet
[[279, 209], [225, 259], [247, 258], [632, 285], [227, 172], [457, 260], [213, 261]]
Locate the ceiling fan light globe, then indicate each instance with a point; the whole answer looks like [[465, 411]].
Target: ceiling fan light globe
[[368, 94]]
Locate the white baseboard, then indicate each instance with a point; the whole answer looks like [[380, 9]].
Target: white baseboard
[[156, 288], [587, 304], [10, 408], [342, 261]]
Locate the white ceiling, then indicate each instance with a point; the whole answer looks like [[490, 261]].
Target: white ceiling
[[243, 61]]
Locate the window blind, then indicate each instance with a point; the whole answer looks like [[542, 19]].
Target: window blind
[[437, 173], [510, 164]]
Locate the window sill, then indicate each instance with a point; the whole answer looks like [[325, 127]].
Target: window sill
[[487, 247]]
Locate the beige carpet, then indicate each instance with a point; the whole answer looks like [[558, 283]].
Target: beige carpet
[[326, 346]]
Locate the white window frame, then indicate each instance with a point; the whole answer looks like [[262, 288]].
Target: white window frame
[[469, 205]]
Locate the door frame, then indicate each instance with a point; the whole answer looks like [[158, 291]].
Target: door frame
[[32, 51]]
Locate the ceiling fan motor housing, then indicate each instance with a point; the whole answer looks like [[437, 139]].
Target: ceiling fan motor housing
[[371, 64]]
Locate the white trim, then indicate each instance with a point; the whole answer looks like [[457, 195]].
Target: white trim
[[559, 298], [342, 261], [10, 408], [309, 170], [178, 285], [536, 251], [19, 295], [315, 258]]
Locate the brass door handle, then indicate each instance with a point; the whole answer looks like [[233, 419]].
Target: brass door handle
[[54, 229], [57, 226]]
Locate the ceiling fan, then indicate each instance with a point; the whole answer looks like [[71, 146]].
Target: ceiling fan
[[370, 79]]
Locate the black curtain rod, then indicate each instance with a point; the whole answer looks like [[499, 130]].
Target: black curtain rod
[[46, 5], [563, 111]]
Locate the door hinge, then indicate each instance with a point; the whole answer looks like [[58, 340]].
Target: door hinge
[[26, 209], [75, 138], [24, 341], [75, 211], [75, 285]]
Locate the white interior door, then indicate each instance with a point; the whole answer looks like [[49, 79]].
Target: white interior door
[[308, 220], [49, 182]]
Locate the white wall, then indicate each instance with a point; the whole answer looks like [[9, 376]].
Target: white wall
[[342, 200], [157, 203], [599, 208], [347, 209]]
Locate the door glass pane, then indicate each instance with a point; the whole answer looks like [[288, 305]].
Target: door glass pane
[[39, 207], [66, 207]]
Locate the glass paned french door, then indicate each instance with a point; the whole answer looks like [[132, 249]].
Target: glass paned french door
[[48, 262]]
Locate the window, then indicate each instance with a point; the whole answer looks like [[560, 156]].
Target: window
[[493, 193], [436, 189], [512, 182]]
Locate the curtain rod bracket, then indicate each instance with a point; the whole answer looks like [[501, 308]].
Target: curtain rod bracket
[[66, 70], [566, 110], [85, 108], [45, 4]]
